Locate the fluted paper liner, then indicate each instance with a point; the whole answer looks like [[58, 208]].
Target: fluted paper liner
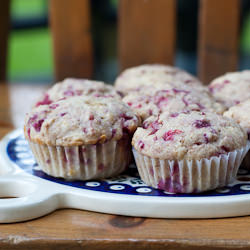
[[83, 162], [190, 176], [246, 162]]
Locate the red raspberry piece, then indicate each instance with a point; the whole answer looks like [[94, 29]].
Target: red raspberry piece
[[199, 105], [185, 101], [68, 93], [126, 117], [202, 124], [174, 115], [28, 131], [138, 106], [224, 148], [141, 144], [53, 106], [155, 127], [113, 132], [180, 91], [45, 101], [160, 98], [37, 125], [169, 135], [145, 124], [206, 138]]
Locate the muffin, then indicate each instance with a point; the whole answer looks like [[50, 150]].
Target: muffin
[[77, 87], [81, 137], [189, 152], [152, 75], [231, 88], [152, 101], [241, 114]]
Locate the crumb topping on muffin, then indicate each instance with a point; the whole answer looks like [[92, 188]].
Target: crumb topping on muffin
[[80, 120], [190, 135], [231, 88], [241, 114], [77, 87], [152, 101], [153, 74]]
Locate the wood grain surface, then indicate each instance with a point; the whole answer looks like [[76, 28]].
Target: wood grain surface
[[75, 229], [146, 32], [72, 39], [218, 38]]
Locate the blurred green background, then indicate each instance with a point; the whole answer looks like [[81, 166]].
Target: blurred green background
[[30, 46]]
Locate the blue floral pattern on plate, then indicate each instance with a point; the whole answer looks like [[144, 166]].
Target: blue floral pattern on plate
[[128, 183]]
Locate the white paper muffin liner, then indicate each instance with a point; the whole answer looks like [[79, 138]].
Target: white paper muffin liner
[[246, 162], [192, 176], [83, 162]]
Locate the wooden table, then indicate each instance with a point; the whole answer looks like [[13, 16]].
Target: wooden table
[[75, 229]]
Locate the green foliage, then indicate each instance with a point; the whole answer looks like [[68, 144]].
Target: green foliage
[[245, 37], [30, 54], [28, 8]]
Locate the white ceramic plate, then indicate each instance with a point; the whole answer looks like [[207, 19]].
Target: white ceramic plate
[[39, 194]]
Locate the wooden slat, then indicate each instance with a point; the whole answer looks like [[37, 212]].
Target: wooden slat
[[146, 32], [218, 38], [4, 29], [72, 40]]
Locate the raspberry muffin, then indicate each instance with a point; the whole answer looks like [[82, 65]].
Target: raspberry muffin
[[241, 114], [81, 137], [153, 74], [231, 88], [77, 87], [189, 152], [152, 101]]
